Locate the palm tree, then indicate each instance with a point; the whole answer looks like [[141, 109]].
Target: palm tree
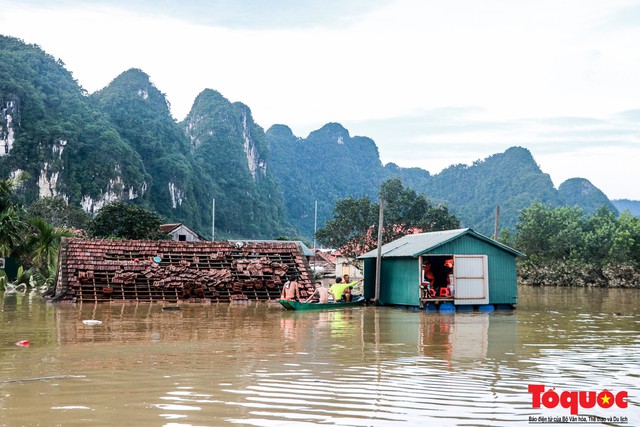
[[44, 243], [12, 226]]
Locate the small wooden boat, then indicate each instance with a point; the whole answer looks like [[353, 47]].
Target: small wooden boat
[[358, 300]]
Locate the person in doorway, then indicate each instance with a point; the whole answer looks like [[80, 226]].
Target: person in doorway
[[291, 290], [322, 292], [448, 265], [428, 281]]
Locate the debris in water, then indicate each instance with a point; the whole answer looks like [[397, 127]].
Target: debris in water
[[54, 377]]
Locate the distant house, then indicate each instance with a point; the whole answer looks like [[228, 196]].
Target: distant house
[[181, 233], [323, 264], [345, 266]]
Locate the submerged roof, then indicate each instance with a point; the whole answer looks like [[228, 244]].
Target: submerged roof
[[305, 249], [96, 270], [414, 245]]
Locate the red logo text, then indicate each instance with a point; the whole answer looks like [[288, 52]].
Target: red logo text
[[575, 400]]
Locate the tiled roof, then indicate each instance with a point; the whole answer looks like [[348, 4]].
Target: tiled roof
[[93, 270], [305, 249], [168, 228]]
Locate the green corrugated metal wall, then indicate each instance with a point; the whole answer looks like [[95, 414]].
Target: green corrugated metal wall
[[369, 278], [503, 287], [404, 276]]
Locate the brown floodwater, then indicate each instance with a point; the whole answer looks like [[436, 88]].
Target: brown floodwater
[[255, 364]]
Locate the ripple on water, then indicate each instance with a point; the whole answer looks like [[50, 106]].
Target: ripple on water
[[407, 392]]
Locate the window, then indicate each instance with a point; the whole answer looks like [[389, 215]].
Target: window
[[182, 237]]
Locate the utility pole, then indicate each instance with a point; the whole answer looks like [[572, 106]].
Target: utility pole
[[213, 220], [379, 256], [496, 225], [315, 230]]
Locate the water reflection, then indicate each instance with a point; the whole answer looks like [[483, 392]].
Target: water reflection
[[256, 364]]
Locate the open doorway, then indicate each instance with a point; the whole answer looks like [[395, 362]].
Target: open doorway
[[437, 278]]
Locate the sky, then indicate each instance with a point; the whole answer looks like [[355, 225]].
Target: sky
[[433, 83]]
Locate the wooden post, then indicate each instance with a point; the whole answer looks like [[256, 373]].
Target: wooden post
[[379, 256]]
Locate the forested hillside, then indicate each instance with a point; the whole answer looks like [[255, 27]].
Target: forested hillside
[[580, 192], [332, 166], [633, 206], [50, 129], [511, 180], [326, 166], [231, 151], [176, 185], [121, 143]]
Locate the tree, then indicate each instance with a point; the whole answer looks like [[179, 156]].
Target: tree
[[354, 227], [12, 224], [566, 247], [351, 228], [544, 233], [406, 212], [121, 220], [626, 244], [59, 213], [43, 243]]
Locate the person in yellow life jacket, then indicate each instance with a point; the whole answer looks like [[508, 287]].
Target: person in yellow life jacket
[[339, 287]]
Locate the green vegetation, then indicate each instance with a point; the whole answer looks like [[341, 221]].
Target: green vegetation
[[330, 165], [327, 166], [141, 115], [125, 221], [511, 180], [633, 206], [122, 143], [354, 228], [35, 241], [566, 247], [57, 212], [230, 149], [30, 240], [59, 136], [13, 225]]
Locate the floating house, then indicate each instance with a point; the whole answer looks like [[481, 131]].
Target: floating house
[[96, 270], [447, 269]]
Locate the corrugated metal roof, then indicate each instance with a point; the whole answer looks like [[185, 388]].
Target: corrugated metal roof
[[414, 245]]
